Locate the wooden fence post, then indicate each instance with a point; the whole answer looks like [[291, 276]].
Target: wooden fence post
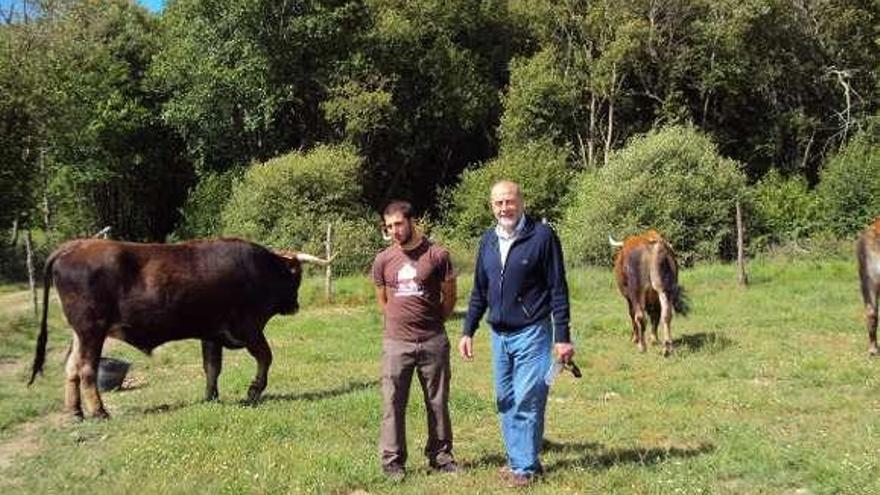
[[741, 276], [328, 273]]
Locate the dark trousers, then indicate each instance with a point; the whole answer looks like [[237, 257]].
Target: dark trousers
[[430, 361]]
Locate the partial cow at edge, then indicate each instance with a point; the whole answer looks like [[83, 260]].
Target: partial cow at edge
[[221, 292], [868, 253], [647, 277]]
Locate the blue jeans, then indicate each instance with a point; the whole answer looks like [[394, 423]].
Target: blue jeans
[[520, 361]]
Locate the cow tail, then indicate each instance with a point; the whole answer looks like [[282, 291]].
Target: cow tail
[[677, 294], [680, 301], [42, 338]]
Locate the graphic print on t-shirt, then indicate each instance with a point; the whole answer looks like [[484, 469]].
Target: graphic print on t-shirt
[[406, 282]]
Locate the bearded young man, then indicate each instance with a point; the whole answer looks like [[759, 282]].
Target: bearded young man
[[415, 289], [520, 277]]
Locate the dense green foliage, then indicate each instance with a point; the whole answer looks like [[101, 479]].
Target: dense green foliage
[[672, 180], [112, 115], [784, 210], [201, 214], [850, 188], [288, 201], [539, 167]]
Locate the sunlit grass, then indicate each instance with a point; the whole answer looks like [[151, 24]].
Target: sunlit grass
[[770, 391]]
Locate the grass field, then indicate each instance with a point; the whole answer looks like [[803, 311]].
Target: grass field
[[770, 391]]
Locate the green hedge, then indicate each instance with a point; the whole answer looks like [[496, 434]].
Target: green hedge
[[287, 202], [849, 190], [539, 167], [673, 180]]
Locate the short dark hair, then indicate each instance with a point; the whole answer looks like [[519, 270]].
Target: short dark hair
[[399, 206]]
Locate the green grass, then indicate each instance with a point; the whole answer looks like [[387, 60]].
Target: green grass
[[770, 391]]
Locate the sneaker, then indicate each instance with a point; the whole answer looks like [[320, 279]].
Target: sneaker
[[448, 467], [394, 472]]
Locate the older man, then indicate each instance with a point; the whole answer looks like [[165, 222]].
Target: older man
[[520, 277]]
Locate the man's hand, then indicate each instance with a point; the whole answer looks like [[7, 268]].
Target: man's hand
[[564, 351], [466, 347]]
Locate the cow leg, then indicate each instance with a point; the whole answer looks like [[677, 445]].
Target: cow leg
[[639, 327], [72, 403], [632, 319], [654, 314], [259, 349], [871, 321], [212, 363], [89, 355], [666, 319]]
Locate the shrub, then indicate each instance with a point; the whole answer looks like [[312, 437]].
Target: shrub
[[849, 189], [784, 210], [288, 201], [539, 167], [201, 213], [673, 180]]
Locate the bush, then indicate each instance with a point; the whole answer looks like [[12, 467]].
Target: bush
[[539, 167], [672, 180], [849, 190], [288, 201], [784, 210], [202, 211]]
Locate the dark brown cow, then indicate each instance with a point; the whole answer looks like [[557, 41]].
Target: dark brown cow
[[868, 251], [219, 291], [647, 276]]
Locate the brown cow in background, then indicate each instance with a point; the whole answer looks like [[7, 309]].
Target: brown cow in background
[[221, 292], [647, 276], [868, 252]]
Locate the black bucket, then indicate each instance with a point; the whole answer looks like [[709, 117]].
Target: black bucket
[[111, 373]]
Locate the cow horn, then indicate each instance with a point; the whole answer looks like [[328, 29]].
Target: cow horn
[[308, 258], [613, 242]]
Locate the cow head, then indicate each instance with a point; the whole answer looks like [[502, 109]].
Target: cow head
[[294, 261]]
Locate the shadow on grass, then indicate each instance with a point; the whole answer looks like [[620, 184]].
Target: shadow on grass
[[596, 456], [591, 455], [348, 388], [711, 341]]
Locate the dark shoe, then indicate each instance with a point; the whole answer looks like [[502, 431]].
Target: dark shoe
[[448, 467], [519, 480], [394, 472]]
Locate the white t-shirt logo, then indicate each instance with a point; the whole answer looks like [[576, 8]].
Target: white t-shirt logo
[[406, 283]]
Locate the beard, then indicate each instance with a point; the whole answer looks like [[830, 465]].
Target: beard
[[508, 223]]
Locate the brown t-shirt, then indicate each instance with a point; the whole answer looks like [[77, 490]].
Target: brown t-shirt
[[412, 285]]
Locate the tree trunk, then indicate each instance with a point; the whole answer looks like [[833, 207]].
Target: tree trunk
[[14, 237], [47, 216], [29, 260], [610, 112], [591, 135]]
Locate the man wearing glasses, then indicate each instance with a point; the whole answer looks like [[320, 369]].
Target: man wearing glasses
[[520, 277], [415, 289]]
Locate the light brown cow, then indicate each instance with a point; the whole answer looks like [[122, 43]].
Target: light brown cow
[[647, 276], [868, 252]]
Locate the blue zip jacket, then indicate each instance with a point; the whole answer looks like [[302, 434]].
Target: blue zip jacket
[[529, 287]]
